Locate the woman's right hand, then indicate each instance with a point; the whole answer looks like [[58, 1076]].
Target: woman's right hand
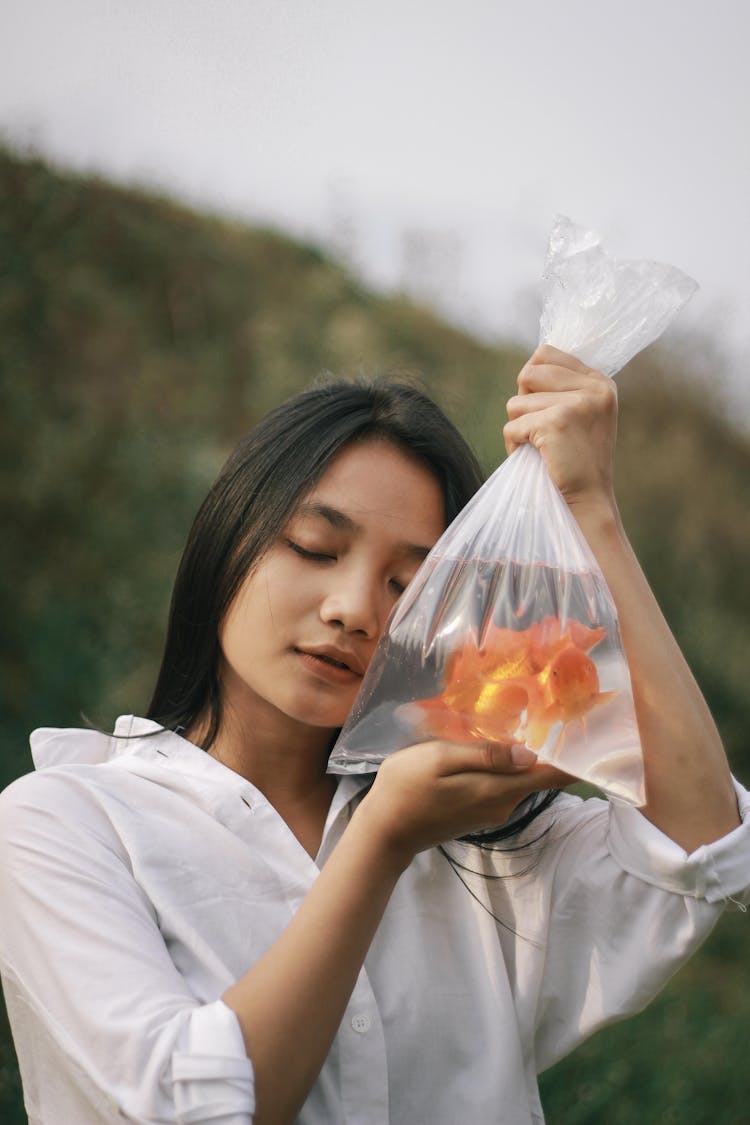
[[436, 791]]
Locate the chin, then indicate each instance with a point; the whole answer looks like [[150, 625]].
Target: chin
[[316, 710], [323, 722], [322, 719]]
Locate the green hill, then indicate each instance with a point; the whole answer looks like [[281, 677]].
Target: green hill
[[139, 339]]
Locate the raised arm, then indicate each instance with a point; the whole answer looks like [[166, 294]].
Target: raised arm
[[569, 413]]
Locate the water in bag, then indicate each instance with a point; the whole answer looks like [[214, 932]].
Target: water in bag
[[485, 650]]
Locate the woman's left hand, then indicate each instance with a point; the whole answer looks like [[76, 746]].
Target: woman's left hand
[[569, 412]]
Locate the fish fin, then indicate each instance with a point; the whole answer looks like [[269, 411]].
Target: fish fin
[[583, 637], [435, 718], [603, 697]]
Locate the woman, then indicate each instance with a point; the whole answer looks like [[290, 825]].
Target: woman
[[201, 924]]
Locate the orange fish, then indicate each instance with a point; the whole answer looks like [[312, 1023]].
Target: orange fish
[[515, 685]]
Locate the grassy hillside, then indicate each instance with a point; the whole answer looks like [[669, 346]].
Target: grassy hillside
[[139, 339]]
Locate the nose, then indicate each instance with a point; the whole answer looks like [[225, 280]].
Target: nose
[[354, 604]]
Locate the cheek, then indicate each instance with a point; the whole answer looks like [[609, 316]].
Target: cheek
[[286, 599], [268, 609], [247, 625], [275, 605]]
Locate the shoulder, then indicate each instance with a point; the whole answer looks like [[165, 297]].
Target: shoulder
[[569, 818], [76, 776], [41, 791], [46, 810], [568, 841]]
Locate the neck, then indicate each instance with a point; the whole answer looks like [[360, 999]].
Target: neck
[[286, 760]]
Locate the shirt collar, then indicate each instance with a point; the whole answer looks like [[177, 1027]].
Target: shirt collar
[[144, 747]]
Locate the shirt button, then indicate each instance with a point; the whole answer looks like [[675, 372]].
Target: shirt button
[[361, 1023]]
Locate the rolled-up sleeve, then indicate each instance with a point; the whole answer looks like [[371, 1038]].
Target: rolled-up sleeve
[[717, 872], [106, 1026], [622, 908], [212, 1076]]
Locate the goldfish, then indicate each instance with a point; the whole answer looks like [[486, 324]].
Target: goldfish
[[515, 685]]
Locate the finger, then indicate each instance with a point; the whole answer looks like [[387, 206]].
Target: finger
[[547, 353], [553, 777], [502, 758], [536, 780], [491, 788], [534, 415], [522, 404], [512, 437], [487, 757], [542, 775], [552, 377], [529, 427], [524, 780]]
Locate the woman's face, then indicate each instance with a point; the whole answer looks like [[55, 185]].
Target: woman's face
[[303, 628]]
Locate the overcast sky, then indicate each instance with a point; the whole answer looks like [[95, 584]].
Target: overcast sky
[[431, 142]]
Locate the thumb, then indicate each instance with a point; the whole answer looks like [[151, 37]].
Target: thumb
[[492, 757]]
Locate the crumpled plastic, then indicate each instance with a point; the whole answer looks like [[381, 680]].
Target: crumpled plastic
[[600, 309], [508, 631]]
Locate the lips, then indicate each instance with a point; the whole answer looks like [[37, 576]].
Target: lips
[[334, 658]]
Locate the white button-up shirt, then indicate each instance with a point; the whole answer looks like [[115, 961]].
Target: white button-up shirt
[[139, 878]]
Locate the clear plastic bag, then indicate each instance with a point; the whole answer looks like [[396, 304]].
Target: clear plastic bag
[[508, 631]]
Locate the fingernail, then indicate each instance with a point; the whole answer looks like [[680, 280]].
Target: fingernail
[[521, 756]]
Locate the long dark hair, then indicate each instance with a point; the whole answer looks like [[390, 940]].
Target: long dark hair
[[254, 496]]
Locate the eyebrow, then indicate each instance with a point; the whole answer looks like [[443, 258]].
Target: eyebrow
[[340, 521]]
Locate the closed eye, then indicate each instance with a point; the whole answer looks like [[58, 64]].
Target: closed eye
[[320, 556], [316, 556]]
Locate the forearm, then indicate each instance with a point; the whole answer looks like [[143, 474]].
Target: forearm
[[290, 1004], [688, 786]]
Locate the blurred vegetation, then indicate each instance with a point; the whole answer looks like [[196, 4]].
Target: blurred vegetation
[[138, 341]]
